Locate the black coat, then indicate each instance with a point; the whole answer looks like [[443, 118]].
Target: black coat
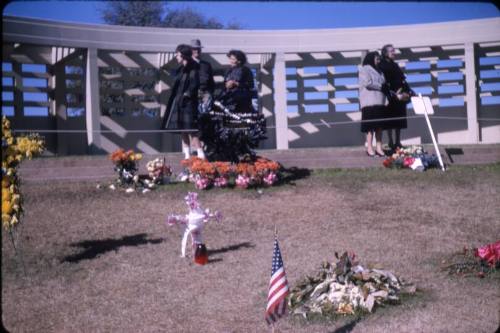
[[396, 80], [182, 106], [240, 97], [394, 76], [207, 83]]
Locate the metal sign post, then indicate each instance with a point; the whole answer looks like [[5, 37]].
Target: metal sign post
[[423, 105]]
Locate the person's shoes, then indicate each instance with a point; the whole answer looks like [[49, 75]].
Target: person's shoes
[[398, 145], [371, 155], [379, 154]]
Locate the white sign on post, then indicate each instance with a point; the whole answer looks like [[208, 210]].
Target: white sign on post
[[423, 105]]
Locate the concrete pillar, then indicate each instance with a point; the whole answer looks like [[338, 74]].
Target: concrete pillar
[[471, 93], [92, 109], [266, 99], [280, 109]]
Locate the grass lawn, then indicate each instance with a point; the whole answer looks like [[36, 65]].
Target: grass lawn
[[105, 261]]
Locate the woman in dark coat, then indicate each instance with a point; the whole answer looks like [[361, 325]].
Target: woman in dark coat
[[238, 83], [182, 107], [400, 93]]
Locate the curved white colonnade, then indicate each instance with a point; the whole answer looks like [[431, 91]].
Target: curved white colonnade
[[306, 80]]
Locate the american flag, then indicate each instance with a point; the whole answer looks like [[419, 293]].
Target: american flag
[[278, 288]]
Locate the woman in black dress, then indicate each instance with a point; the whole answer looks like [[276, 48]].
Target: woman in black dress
[[400, 93], [238, 83], [182, 107]]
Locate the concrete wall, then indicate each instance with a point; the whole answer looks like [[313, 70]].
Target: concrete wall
[[104, 88]]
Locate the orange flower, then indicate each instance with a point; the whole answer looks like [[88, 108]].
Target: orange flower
[[203, 167], [222, 168]]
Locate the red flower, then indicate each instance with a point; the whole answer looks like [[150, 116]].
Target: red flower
[[388, 162], [490, 253], [408, 161]]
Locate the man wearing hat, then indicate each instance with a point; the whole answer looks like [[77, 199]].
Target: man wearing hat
[[207, 83]]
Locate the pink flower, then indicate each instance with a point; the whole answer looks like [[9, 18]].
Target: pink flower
[[270, 178], [242, 181], [490, 253], [220, 182], [408, 161], [202, 183]]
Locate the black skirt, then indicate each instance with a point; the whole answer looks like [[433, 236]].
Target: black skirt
[[376, 114], [396, 109], [183, 118]]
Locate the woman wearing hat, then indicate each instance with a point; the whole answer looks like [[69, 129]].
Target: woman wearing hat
[[182, 107]]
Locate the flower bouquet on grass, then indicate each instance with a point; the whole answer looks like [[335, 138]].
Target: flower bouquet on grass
[[223, 172], [246, 174], [126, 165], [480, 261], [345, 288], [267, 170], [158, 171], [203, 173], [412, 157]]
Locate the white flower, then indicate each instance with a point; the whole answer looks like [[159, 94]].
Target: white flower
[[112, 187], [129, 190]]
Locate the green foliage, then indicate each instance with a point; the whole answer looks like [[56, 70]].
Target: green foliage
[[136, 13], [157, 14]]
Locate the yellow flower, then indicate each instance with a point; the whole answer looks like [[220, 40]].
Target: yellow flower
[[6, 207], [6, 194], [138, 156], [5, 183]]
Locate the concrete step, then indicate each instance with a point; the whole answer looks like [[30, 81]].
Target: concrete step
[[100, 166]]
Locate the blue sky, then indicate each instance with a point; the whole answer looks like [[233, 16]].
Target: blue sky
[[281, 15]]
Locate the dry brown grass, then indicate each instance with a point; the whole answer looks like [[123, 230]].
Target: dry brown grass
[[102, 261]]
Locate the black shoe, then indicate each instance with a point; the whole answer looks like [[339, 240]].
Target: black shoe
[[371, 155], [377, 154]]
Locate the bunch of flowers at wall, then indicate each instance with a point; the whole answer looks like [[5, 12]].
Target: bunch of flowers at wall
[[474, 261], [345, 288], [15, 150], [127, 167], [245, 174], [412, 157], [158, 171]]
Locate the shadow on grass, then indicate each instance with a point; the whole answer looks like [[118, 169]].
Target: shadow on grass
[[93, 248], [290, 175], [347, 327], [453, 151], [234, 247]]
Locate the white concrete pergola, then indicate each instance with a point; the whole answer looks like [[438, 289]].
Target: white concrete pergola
[[270, 50]]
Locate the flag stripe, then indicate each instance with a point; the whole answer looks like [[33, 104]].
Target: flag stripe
[[277, 283], [283, 292], [278, 288], [283, 286]]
